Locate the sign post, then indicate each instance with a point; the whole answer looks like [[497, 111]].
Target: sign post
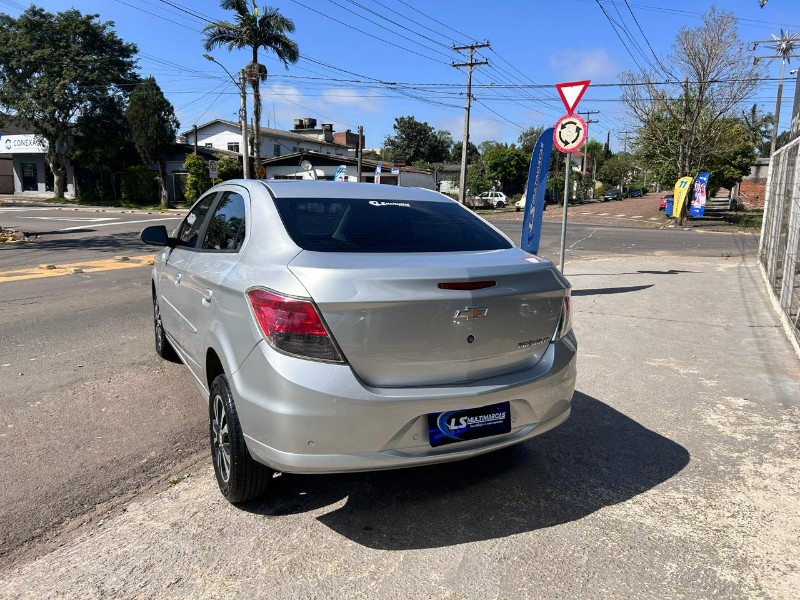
[[212, 170], [569, 134]]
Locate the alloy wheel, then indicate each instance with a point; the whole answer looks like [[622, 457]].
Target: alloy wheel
[[220, 439]]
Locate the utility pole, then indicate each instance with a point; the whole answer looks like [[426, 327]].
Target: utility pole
[[195, 138], [243, 121], [589, 121], [462, 185], [242, 115], [625, 139], [360, 149], [625, 150]]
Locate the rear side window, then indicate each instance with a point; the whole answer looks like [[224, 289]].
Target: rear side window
[[226, 228], [358, 225]]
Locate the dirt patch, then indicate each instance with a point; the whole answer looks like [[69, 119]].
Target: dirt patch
[[9, 236]]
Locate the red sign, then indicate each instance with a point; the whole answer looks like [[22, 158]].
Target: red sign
[[569, 133], [571, 93]]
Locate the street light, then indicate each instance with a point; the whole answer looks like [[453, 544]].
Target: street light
[[785, 48], [242, 113]]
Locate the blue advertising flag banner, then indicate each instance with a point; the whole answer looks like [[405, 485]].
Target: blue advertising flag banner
[[698, 205], [378, 173], [534, 195]]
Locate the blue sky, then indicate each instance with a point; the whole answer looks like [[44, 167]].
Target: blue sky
[[409, 42]]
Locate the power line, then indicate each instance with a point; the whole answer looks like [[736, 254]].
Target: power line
[[611, 21], [354, 28]]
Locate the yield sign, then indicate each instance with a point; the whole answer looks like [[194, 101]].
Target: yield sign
[[571, 93]]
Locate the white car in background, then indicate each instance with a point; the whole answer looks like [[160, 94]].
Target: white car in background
[[520, 204], [494, 199]]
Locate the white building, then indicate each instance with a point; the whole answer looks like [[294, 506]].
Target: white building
[[305, 137], [313, 165], [23, 169]]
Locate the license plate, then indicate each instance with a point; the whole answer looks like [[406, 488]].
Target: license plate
[[468, 424]]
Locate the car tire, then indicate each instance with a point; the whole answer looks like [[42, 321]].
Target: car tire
[[240, 478], [501, 204], [163, 348], [517, 209]]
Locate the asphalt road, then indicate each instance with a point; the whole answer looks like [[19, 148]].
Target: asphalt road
[[94, 419]]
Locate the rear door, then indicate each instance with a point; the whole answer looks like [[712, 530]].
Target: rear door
[[203, 286]]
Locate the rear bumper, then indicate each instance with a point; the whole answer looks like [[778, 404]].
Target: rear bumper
[[300, 416]]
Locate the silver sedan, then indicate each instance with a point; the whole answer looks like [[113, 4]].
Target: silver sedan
[[340, 327]]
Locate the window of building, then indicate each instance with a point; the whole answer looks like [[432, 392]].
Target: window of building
[[233, 146], [209, 145], [294, 148], [276, 150]]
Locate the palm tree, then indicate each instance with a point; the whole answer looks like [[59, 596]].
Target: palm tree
[[254, 30]]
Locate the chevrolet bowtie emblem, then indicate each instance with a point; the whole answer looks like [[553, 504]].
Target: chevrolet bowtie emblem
[[471, 312]]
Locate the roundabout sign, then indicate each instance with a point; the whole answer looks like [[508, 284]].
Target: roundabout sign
[[569, 133]]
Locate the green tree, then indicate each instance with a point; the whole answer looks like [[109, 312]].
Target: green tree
[[55, 67], [509, 166], [198, 180], [478, 181], [758, 127], [527, 139], [153, 127], [102, 148], [616, 169], [472, 153], [228, 168], [735, 158], [371, 155], [416, 140], [253, 31], [681, 124], [594, 151]]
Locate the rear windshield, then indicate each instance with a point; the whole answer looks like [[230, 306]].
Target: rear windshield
[[358, 225]]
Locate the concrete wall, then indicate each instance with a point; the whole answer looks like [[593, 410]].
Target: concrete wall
[[421, 180]]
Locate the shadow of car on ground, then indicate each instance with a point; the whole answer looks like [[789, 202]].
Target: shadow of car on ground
[[598, 458]]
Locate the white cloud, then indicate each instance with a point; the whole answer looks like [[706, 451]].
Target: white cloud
[[283, 103], [593, 63], [480, 129], [350, 96]]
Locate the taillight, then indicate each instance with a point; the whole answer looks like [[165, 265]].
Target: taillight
[[565, 324], [292, 325]]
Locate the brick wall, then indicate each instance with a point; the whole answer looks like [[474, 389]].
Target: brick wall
[[751, 193]]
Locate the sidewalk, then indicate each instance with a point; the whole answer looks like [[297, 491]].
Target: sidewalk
[[630, 212], [47, 201], [675, 477]]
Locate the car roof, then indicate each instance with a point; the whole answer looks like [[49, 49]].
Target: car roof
[[286, 188]]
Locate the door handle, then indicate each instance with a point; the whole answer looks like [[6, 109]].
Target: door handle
[[207, 294]]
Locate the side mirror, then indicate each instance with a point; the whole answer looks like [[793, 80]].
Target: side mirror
[[156, 235]]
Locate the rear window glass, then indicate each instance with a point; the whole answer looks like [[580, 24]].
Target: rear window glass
[[358, 225]]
